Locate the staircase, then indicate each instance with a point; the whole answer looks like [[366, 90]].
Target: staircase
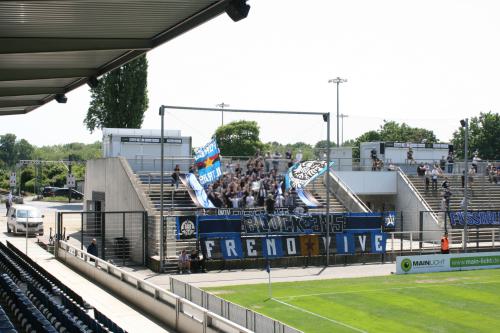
[[318, 190], [176, 202], [483, 195]]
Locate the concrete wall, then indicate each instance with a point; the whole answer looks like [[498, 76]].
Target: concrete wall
[[344, 195], [370, 182], [113, 177], [411, 204]]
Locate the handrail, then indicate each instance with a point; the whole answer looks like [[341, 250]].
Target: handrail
[[417, 193], [208, 318], [348, 190]]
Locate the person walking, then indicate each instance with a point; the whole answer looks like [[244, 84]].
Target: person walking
[[8, 203]]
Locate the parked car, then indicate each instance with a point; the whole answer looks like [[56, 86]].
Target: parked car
[[63, 192], [48, 191], [21, 215]]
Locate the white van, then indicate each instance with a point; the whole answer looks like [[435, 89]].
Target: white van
[[19, 215]]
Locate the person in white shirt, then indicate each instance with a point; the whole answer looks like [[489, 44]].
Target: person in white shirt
[[434, 175], [235, 201], [184, 262], [298, 156], [280, 200], [250, 201]]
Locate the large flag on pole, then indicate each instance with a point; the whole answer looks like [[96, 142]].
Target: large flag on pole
[[302, 173], [208, 163]]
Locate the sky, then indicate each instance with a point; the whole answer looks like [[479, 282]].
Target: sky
[[426, 63]]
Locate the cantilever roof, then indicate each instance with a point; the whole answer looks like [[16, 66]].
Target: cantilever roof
[[50, 47]]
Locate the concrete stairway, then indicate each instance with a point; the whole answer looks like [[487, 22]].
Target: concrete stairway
[[483, 195], [318, 189]]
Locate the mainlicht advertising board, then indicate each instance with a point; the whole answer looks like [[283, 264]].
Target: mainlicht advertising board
[[447, 262]]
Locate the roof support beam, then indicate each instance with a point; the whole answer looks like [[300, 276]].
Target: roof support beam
[[10, 104], [9, 45], [23, 91], [12, 112], [44, 73]]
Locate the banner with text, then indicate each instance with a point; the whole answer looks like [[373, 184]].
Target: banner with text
[[302, 173], [447, 262], [481, 219], [208, 163], [236, 247]]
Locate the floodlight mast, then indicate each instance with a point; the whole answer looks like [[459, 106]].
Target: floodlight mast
[[326, 118], [338, 81]]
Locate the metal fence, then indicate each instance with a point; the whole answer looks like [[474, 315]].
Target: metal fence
[[121, 236], [235, 313]]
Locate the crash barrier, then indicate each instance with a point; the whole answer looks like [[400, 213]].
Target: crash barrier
[[170, 309], [120, 236], [53, 301], [6, 325], [245, 317], [413, 241]]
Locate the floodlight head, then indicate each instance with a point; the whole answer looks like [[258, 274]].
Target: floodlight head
[[463, 123], [93, 82], [61, 98], [326, 116], [237, 9], [337, 80]]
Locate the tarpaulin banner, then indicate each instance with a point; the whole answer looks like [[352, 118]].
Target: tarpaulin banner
[[196, 191], [234, 247], [482, 219], [208, 163], [302, 173], [278, 224]]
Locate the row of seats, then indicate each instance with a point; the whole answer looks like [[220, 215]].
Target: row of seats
[[56, 313], [49, 277], [108, 322], [68, 312], [6, 325], [26, 314]]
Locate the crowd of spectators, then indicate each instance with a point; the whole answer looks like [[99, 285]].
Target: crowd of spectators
[[254, 184]]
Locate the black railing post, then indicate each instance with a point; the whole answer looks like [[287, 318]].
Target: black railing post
[[123, 238], [103, 236], [144, 237], [421, 228], [81, 231], [402, 235]]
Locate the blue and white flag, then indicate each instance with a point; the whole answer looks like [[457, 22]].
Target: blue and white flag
[[196, 191], [307, 198], [302, 173], [208, 163]]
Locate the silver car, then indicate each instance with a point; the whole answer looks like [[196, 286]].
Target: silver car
[[21, 215]]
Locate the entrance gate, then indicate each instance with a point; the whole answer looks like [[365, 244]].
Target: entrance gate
[[121, 236]]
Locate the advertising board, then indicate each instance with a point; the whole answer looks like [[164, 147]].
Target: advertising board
[[447, 262]]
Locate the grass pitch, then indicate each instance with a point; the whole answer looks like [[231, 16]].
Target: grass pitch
[[467, 301]]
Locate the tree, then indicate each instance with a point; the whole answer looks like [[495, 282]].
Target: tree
[[392, 131], [8, 149], [239, 138], [120, 99], [484, 135], [24, 150]]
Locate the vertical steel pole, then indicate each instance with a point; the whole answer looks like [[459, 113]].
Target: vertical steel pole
[[328, 188], [162, 227], [466, 182], [338, 139]]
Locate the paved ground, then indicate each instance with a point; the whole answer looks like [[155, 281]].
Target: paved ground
[[127, 317], [213, 279]]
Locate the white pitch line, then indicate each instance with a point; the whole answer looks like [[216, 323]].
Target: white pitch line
[[384, 289], [320, 316]]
